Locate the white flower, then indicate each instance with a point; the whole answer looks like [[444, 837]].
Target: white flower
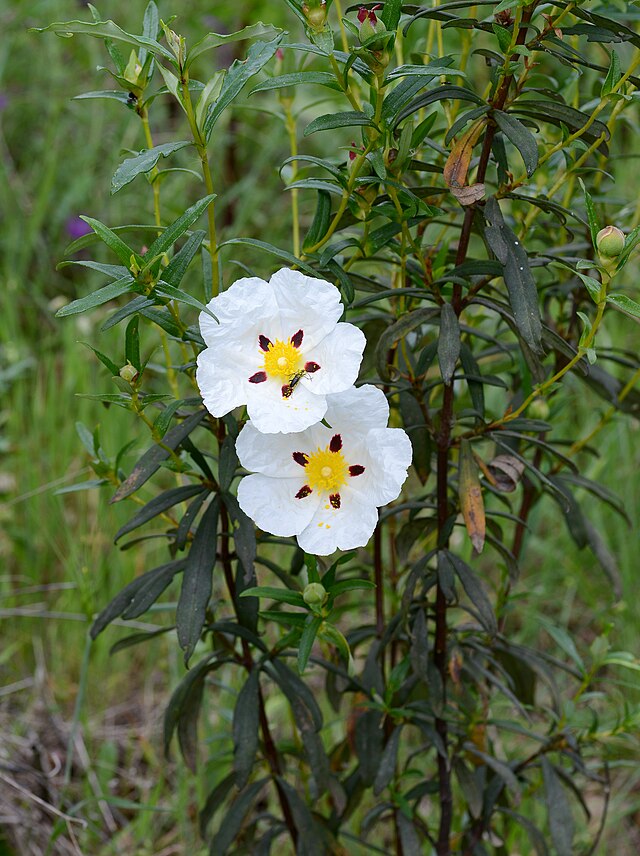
[[279, 349], [324, 485]]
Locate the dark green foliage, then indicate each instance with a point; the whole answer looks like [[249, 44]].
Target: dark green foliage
[[444, 729]]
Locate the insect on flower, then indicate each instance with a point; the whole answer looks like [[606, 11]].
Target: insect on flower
[[294, 380]]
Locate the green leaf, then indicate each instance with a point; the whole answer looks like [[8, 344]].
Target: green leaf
[[398, 330], [214, 40], [475, 592], [625, 303], [110, 94], [106, 361], [564, 641], [312, 625], [234, 818], [561, 823], [171, 234], [521, 287], [98, 298], [329, 121], [164, 290], [215, 799], [143, 163], [320, 224], [592, 285], [258, 56], [503, 35], [177, 267], [293, 598], [323, 78], [448, 342], [275, 251], [350, 585], [521, 137], [187, 519], [415, 426], [132, 343], [594, 225], [388, 762], [138, 596], [613, 75], [112, 240], [438, 93], [390, 15], [106, 30], [197, 582], [157, 506], [244, 537], [153, 457], [246, 721]]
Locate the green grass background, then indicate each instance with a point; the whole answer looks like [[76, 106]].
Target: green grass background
[[58, 564]]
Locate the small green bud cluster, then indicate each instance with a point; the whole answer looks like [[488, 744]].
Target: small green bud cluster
[[610, 242], [314, 594]]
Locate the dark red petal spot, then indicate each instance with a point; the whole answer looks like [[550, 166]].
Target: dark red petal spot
[[305, 490], [334, 499], [336, 443], [286, 391], [311, 367], [362, 14], [301, 458], [296, 339], [264, 343], [258, 377], [356, 470]]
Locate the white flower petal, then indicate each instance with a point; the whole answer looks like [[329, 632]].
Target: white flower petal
[[272, 504], [339, 356], [221, 392], [342, 528], [272, 454], [271, 413], [389, 455], [247, 299], [305, 303], [357, 410]]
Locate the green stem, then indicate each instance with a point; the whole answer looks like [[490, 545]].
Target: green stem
[[290, 124], [201, 146]]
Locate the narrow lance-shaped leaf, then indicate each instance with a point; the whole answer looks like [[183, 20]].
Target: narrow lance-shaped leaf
[[106, 30], [306, 641], [470, 493], [474, 591], [171, 234], [448, 342], [521, 137], [329, 121], [234, 817], [98, 298], [214, 40], [197, 582], [158, 505], [561, 823], [521, 287], [143, 162], [258, 56], [246, 720], [177, 267], [153, 457]]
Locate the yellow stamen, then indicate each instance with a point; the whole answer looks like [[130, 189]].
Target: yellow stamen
[[326, 470], [282, 359]]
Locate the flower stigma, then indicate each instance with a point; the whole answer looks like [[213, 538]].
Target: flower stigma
[[326, 470], [282, 359]]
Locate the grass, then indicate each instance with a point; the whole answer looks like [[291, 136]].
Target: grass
[[78, 725]]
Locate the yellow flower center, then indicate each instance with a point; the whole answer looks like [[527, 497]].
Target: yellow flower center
[[282, 359], [326, 470]]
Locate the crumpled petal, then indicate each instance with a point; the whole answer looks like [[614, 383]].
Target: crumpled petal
[[343, 528], [339, 356], [247, 299], [304, 302], [272, 454], [271, 413], [271, 503], [356, 410], [387, 458]]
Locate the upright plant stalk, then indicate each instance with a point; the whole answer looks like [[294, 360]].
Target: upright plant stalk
[[201, 146]]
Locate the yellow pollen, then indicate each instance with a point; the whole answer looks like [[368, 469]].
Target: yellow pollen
[[326, 470], [282, 359]]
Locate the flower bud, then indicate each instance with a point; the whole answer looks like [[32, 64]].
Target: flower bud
[[316, 14], [314, 594], [369, 25], [128, 373], [539, 409], [610, 242]]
